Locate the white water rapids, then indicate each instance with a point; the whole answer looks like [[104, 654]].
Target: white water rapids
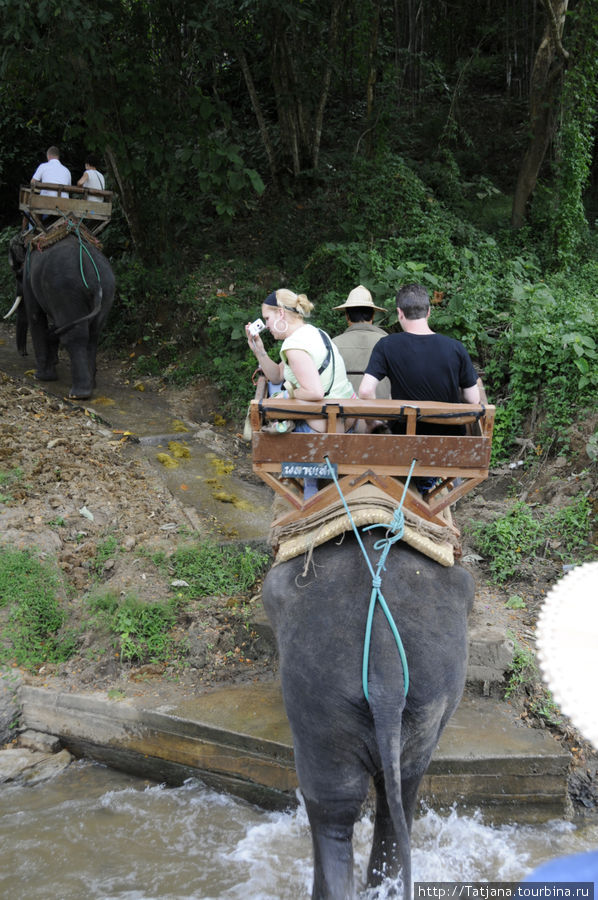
[[94, 834]]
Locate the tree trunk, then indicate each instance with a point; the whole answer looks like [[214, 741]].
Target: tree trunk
[[319, 122], [544, 92], [372, 75], [261, 122], [127, 202]]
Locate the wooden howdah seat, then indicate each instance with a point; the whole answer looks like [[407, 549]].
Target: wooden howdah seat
[[76, 206], [459, 461]]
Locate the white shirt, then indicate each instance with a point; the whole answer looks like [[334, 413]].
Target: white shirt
[[96, 181], [52, 172]]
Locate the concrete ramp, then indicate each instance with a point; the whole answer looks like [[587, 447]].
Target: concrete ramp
[[238, 739]]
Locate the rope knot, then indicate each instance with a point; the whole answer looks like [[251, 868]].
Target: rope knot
[[398, 521], [376, 582]]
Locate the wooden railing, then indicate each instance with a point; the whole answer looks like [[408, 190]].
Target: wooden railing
[[77, 204], [459, 461]]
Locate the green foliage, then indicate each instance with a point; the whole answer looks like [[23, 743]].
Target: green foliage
[[169, 138], [515, 602], [104, 551], [142, 630], [28, 588], [520, 535], [7, 479], [509, 539], [523, 669], [213, 569], [524, 674], [544, 707], [7, 278], [576, 135]]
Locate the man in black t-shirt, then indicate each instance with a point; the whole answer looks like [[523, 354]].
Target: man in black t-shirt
[[421, 365]]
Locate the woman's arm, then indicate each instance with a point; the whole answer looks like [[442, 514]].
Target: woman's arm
[[273, 371], [83, 179], [304, 370]]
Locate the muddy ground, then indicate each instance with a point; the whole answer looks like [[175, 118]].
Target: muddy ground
[[80, 481]]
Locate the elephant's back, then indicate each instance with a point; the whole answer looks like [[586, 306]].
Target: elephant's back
[[319, 613]]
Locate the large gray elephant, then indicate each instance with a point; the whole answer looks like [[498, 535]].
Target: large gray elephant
[[340, 738], [67, 290]]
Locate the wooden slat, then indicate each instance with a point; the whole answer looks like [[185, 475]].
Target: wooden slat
[[380, 459], [79, 205], [441, 452]]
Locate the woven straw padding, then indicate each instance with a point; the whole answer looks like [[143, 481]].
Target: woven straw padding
[[369, 505]]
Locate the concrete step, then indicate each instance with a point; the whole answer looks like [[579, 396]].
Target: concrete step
[[238, 739]]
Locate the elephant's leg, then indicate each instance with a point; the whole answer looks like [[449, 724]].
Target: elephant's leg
[[333, 853], [92, 349], [384, 858], [53, 344], [43, 347], [76, 341]]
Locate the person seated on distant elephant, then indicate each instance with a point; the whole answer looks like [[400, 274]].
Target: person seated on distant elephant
[[311, 367], [92, 177], [52, 172]]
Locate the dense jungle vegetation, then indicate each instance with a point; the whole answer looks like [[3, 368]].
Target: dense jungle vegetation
[[322, 143]]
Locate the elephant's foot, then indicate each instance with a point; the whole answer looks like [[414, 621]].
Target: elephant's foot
[[49, 375], [80, 395]]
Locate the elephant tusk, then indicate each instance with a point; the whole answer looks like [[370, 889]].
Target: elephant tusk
[[13, 308]]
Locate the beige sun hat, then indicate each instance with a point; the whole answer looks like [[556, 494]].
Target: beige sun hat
[[359, 296]]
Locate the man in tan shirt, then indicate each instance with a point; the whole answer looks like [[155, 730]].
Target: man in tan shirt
[[357, 342]]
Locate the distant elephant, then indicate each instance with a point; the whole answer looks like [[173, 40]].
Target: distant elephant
[[340, 738], [67, 290]]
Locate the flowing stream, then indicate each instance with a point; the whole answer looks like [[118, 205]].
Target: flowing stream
[[93, 834]]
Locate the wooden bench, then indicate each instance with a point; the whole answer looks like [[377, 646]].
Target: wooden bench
[[459, 461], [76, 205]]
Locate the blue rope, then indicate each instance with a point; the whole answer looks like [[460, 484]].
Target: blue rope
[[397, 526], [73, 226]]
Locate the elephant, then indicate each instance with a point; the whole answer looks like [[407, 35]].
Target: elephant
[[67, 291], [341, 739]]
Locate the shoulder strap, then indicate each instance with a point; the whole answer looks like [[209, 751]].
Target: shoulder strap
[[327, 358]]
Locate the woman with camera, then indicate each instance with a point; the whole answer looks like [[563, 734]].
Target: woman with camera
[[311, 367]]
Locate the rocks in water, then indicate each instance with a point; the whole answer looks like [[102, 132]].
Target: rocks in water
[[31, 766], [10, 709]]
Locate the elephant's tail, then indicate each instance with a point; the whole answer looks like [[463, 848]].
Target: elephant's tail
[[97, 306], [391, 766]]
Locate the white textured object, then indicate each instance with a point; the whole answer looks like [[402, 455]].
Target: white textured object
[[567, 642]]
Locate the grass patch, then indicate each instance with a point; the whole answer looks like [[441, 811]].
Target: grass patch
[[524, 533], [105, 551], [525, 676], [213, 570], [33, 634], [141, 632], [523, 670], [7, 480]]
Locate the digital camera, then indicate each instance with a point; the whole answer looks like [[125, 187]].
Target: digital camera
[[256, 327]]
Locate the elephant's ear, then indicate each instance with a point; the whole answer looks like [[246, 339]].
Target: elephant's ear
[[16, 252]]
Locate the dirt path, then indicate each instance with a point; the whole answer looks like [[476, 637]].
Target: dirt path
[[80, 481]]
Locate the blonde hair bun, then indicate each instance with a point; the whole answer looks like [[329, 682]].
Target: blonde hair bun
[[297, 302]]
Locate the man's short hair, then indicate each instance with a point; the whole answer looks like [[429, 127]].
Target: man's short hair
[[414, 301], [360, 313], [53, 151]]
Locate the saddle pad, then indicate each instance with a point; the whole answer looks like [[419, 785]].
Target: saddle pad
[[369, 505]]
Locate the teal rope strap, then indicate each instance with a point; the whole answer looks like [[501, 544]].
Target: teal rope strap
[[394, 532], [74, 226]]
